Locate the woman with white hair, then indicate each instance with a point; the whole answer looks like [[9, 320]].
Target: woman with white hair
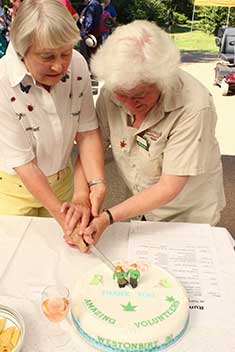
[[160, 122], [46, 106]]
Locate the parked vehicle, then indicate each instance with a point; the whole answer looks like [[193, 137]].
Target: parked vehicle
[[225, 70]]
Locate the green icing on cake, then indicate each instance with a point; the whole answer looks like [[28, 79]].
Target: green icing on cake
[[170, 299], [169, 338], [96, 280], [128, 307], [98, 313], [126, 346], [145, 323], [164, 283]]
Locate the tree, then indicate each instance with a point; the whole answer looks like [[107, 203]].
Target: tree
[[152, 10], [214, 17], [183, 6]]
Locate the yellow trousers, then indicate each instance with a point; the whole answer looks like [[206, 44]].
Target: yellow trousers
[[15, 199]]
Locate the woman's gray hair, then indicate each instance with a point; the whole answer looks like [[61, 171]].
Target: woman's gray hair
[[139, 52], [46, 22]]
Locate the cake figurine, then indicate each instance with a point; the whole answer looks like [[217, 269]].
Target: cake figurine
[[134, 275], [120, 275]]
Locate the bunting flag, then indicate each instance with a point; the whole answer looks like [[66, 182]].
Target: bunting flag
[[227, 3]]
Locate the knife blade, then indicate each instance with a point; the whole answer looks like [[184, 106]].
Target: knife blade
[[101, 256]]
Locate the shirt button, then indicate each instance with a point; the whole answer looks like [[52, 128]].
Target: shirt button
[[133, 165]]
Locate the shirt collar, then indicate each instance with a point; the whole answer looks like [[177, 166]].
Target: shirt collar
[[172, 97], [15, 66], [115, 100]]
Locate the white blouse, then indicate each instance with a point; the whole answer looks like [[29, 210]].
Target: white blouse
[[41, 125]]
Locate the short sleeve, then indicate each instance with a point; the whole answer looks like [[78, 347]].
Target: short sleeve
[[111, 9], [14, 145], [189, 143], [88, 120], [102, 115]]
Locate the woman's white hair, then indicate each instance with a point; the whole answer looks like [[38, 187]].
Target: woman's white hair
[[139, 52], [46, 22]]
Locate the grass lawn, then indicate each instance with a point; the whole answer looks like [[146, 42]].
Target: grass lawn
[[195, 40]]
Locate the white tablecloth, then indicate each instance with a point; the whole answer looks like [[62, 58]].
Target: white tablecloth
[[39, 257]]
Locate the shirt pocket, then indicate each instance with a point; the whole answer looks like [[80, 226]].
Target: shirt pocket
[[156, 148], [150, 163]]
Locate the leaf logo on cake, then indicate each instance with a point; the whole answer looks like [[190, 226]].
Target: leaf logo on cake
[[169, 338], [128, 307], [170, 299], [164, 283], [96, 280]]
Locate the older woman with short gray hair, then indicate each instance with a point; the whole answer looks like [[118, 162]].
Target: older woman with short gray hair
[[47, 23], [160, 122], [46, 106]]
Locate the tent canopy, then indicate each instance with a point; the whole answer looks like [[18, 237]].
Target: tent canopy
[[224, 3], [227, 3]]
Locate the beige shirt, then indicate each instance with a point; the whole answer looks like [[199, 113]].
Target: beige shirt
[[41, 125], [176, 138]]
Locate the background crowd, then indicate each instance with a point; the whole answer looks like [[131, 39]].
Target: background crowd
[[93, 17]]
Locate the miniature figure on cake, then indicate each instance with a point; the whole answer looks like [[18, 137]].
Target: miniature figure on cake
[[120, 275], [134, 275]]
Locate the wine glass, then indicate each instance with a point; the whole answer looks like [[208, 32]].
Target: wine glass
[[55, 306]]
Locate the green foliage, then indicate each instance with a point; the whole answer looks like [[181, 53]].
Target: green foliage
[[211, 18], [232, 17], [5, 3], [180, 18], [152, 10], [181, 6]]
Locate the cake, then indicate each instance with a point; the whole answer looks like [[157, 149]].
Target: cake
[[149, 317]]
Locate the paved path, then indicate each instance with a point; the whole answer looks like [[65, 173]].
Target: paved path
[[196, 56], [201, 65]]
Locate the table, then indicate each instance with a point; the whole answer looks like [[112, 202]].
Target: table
[[33, 255]]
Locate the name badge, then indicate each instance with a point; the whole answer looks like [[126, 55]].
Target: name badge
[[142, 142]]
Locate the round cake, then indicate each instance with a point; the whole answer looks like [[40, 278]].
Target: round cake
[[138, 307]]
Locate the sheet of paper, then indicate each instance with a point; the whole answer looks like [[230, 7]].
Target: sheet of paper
[[10, 237], [189, 252]]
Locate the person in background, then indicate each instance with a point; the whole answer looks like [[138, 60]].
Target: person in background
[[71, 9], [46, 106], [8, 22], [106, 23], [160, 122], [90, 24], [170, 21], [111, 9], [15, 4], [3, 31]]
